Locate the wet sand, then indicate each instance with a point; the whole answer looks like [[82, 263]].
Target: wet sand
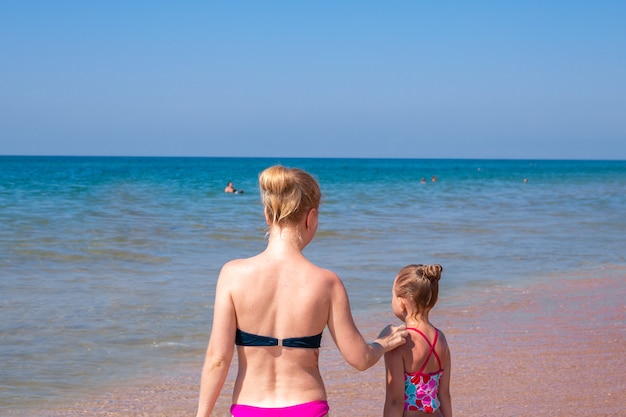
[[555, 349]]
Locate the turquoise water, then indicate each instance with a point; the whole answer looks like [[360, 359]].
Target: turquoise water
[[107, 265]]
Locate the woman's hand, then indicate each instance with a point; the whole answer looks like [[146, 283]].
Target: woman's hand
[[392, 336]]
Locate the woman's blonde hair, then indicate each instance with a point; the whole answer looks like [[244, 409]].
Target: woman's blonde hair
[[288, 194], [420, 284]]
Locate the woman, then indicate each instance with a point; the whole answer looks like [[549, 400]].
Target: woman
[[274, 306]]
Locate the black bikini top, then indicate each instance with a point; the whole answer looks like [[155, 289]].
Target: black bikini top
[[248, 339]]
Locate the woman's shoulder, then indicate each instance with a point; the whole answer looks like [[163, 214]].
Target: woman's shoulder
[[326, 272], [236, 268], [326, 275], [249, 262], [234, 264]]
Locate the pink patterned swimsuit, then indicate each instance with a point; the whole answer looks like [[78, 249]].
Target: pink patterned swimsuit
[[420, 389]]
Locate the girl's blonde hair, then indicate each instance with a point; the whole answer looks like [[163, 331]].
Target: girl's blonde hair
[[420, 284], [288, 194]]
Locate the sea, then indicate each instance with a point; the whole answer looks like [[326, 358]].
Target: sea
[[108, 264]]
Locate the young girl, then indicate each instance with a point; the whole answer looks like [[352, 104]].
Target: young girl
[[418, 372]]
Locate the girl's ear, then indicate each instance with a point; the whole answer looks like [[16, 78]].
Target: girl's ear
[[310, 218], [403, 308]]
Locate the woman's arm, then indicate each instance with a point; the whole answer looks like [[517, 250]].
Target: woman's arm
[[394, 397], [355, 350], [220, 350], [444, 388]]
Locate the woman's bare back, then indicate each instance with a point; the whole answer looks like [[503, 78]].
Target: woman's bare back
[[279, 299]]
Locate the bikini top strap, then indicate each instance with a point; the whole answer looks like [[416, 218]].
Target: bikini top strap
[[431, 345]]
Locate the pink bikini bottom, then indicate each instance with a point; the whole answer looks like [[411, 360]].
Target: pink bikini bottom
[[312, 409]]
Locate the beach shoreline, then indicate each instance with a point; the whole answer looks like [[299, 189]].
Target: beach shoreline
[[554, 348]]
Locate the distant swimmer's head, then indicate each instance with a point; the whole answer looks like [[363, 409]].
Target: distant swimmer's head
[[419, 285], [288, 194]]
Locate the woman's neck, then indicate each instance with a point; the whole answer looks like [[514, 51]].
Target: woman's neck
[[284, 238]]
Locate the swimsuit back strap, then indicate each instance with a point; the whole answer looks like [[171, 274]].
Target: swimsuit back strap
[[307, 342], [249, 339], [431, 345], [433, 349]]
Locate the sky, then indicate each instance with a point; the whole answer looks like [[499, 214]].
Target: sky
[[357, 79]]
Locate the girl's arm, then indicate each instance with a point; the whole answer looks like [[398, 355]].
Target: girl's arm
[[355, 350], [394, 397], [220, 350], [444, 388]]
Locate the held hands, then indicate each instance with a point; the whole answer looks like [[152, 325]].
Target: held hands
[[392, 336]]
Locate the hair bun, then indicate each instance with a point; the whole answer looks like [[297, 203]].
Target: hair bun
[[433, 272], [276, 180], [288, 193]]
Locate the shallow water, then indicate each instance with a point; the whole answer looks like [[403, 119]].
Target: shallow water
[[108, 265]]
